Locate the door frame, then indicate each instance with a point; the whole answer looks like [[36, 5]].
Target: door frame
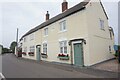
[[78, 42], [37, 53]]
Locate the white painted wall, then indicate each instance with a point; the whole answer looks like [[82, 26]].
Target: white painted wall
[[83, 24], [99, 40]]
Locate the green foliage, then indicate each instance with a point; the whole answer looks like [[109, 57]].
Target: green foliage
[[12, 46], [118, 47], [5, 50]]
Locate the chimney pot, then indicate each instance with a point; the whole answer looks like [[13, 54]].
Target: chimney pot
[[64, 5], [47, 15]]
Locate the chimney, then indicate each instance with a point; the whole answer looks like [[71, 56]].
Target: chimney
[[64, 5], [47, 16]]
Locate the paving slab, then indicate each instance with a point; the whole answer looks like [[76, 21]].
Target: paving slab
[[110, 65]]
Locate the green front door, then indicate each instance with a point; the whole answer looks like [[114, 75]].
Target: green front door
[[38, 53], [78, 54]]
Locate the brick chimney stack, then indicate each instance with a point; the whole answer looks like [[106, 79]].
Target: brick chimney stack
[[47, 16], [64, 5]]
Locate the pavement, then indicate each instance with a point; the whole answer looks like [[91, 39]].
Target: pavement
[[110, 65], [13, 67]]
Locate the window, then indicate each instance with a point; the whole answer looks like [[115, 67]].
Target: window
[[110, 49], [102, 24], [110, 35], [25, 39], [45, 48], [32, 49], [31, 37], [25, 49], [46, 31], [63, 25], [63, 47]]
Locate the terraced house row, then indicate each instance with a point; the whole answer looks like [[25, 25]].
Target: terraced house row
[[79, 35]]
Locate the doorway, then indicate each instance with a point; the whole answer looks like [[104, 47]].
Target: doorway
[[38, 52], [78, 54]]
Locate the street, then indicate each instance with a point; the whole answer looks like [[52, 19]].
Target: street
[[13, 67]]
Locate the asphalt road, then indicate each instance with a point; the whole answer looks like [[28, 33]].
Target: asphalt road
[[13, 67]]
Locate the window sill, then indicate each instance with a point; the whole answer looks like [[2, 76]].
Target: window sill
[[103, 29], [63, 31], [46, 36]]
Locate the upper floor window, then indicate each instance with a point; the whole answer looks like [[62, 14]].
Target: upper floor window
[[32, 48], [45, 48], [63, 25], [102, 26], [63, 47], [31, 37], [25, 39], [46, 31]]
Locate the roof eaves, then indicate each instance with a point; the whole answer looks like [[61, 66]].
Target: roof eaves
[[69, 12], [104, 10]]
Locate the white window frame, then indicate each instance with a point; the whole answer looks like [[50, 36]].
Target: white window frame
[[25, 39], [110, 49], [32, 49], [63, 47], [46, 31], [31, 37], [102, 24], [63, 26], [45, 48], [25, 49]]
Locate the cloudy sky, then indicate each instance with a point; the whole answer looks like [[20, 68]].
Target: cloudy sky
[[27, 14]]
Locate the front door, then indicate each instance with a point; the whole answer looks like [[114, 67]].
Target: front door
[[38, 53], [78, 54]]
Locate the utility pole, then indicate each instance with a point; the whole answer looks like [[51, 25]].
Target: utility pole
[[17, 43], [17, 36]]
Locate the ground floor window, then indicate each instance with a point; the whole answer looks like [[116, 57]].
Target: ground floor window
[[25, 49], [63, 46], [32, 49], [45, 48], [110, 49]]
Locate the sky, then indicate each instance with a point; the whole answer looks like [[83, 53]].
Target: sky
[[27, 14]]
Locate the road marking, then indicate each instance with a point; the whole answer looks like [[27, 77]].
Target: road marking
[[2, 75]]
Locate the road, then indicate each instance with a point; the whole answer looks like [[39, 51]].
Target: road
[[13, 67]]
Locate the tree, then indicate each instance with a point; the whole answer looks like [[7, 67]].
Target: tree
[[5, 50], [12, 46]]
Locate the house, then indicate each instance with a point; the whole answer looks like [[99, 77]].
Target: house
[[80, 36]]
